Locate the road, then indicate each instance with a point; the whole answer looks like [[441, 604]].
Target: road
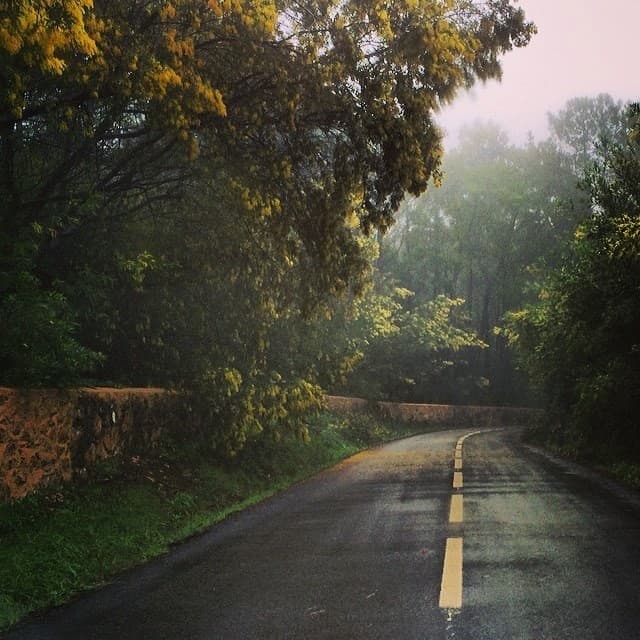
[[536, 550]]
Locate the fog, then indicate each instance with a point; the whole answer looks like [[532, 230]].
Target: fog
[[583, 48]]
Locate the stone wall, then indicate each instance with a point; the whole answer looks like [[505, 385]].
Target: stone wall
[[49, 436], [438, 413]]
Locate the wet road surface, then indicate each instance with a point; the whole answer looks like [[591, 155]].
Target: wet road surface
[[549, 553], [358, 553]]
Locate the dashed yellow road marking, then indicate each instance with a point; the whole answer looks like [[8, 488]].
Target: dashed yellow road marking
[[456, 512], [451, 586]]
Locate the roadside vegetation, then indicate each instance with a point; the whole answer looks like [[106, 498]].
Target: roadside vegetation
[[620, 465], [579, 339], [67, 539]]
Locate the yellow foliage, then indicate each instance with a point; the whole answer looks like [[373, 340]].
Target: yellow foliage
[[43, 33], [160, 80], [168, 12], [9, 41]]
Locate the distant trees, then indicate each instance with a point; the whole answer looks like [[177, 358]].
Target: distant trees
[[542, 242], [501, 217], [588, 129], [182, 179], [411, 352], [421, 356], [502, 223]]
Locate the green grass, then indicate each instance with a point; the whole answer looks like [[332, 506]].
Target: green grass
[[56, 544], [50, 550]]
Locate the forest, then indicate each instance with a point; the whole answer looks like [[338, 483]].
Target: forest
[[249, 202]]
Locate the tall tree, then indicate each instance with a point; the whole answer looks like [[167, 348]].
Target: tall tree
[[183, 177], [579, 342], [306, 116], [587, 129]]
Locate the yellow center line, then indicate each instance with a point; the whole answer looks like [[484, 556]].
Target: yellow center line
[[456, 512], [451, 586]]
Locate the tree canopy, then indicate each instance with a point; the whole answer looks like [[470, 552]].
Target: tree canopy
[[182, 179]]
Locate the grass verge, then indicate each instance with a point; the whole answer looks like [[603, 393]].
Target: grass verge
[[568, 446], [69, 539]]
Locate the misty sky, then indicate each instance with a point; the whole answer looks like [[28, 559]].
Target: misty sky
[[583, 47]]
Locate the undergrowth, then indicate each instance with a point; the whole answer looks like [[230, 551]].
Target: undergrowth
[[572, 446]]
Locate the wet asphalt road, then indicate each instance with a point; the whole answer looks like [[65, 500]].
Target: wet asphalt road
[[357, 553]]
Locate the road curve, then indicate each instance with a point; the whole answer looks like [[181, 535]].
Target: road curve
[[358, 552]]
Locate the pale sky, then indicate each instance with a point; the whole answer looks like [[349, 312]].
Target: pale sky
[[582, 48]]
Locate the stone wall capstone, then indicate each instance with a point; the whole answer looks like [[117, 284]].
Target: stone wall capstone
[[445, 414]]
